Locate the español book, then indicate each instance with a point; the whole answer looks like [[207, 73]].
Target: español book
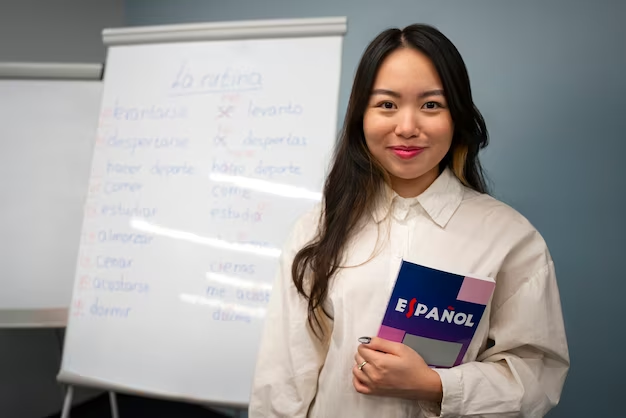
[[435, 312]]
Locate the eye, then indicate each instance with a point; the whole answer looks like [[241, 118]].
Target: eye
[[432, 105], [387, 105]]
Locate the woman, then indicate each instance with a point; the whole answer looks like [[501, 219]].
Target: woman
[[406, 182]]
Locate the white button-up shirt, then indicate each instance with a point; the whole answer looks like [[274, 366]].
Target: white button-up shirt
[[517, 362]]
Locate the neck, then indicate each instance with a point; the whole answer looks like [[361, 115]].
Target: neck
[[414, 187]]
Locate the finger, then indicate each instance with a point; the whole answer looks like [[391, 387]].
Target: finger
[[371, 356], [383, 345], [360, 370], [360, 387], [358, 360]]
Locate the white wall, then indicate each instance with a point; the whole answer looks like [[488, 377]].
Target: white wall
[[51, 31]]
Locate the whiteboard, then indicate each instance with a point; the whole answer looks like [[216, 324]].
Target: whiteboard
[[46, 140], [206, 153]]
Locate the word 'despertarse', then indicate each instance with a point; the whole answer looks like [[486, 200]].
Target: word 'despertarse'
[[134, 143], [447, 315]]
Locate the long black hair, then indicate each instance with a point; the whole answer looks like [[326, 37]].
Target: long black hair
[[356, 178]]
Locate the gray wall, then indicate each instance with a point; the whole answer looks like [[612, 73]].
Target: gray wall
[[60, 31], [549, 78], [56, 30]]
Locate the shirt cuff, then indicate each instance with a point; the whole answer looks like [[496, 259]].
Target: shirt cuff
[[430, 409], [451, 403]]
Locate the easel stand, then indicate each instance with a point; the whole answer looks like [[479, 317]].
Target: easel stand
[[67, 404]]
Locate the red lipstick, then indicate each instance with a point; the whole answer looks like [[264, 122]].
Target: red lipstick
[[406, 153]]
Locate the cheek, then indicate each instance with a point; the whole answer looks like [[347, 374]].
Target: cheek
[[375, 129], [440, 130]]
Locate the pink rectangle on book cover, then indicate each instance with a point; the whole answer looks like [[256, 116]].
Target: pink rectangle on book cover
[[391, 334], [475, 291]]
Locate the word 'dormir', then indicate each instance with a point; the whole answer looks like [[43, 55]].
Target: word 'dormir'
[[447, 315]]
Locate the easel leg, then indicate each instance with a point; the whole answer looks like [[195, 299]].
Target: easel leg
[[67, 404], [114, 412]]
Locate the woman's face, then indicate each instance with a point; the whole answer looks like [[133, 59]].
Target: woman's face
[[407, 123]]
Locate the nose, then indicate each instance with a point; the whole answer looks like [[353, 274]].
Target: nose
[[407, 124]]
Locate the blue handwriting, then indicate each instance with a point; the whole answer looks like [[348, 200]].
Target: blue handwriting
[[138, 142], [167, 170], [230, 315], [271, 170], [120, 285], [98, 309], [267, 141], [111, 187], [136, 211], [153, 112], [229, 80], [251, 295], [230, 213], [273, 110], [230, 267], [119, 168], [225, 167], [230, 191], [105, 262], [124, 238], [215, 292]]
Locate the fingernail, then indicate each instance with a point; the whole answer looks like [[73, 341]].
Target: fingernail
[[365, 340]]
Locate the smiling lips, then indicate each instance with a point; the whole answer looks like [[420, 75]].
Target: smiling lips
[[406, 152]]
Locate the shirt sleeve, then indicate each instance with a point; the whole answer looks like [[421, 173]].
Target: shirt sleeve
[[290, 356], [523, 374]]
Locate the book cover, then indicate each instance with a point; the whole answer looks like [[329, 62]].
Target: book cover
[[435, 312]]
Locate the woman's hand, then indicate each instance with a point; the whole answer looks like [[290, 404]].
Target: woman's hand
[[394, 369]]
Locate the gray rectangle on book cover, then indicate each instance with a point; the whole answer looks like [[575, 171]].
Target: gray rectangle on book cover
[[434, 352]]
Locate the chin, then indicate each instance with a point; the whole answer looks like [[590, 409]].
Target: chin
[[410, 175], [405, 177]]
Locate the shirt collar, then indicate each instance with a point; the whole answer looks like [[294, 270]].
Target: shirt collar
[[440, 200]]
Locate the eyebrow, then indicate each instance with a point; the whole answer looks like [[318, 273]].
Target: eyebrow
[[422, 95]]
